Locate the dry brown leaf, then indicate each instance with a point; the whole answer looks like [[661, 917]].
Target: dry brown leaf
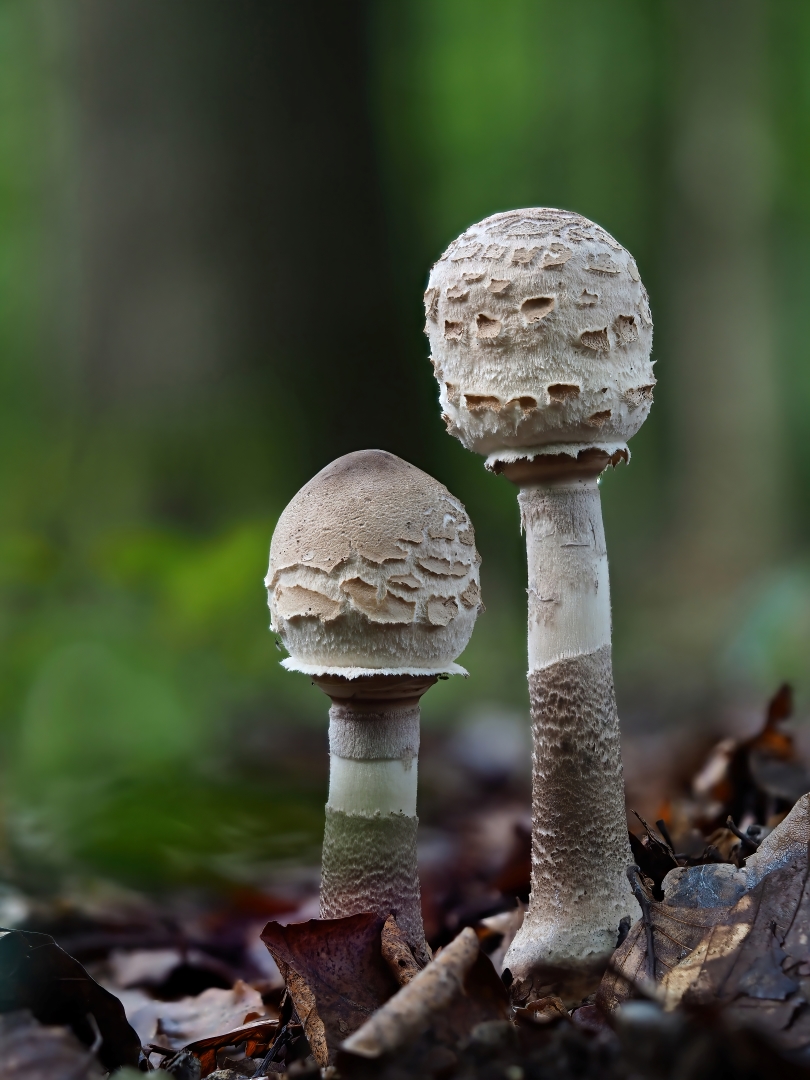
[[753, 967], [544, 1010], [485, 998], [209, 1013], [504, 926], [397, 952], [676, 932], [706, 885], [456, 991], [37, 975], [687, 935], [750, 957], [336, 975], [257, 1036], [787, 842]]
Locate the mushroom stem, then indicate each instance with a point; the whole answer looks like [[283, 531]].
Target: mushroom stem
[[369, 851], [580, 849]]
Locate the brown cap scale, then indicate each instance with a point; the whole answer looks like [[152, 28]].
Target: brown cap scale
[[374, 588], [540, 335]]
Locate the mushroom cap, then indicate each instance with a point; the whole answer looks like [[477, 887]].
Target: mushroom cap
[[373, 569], [540, 333]]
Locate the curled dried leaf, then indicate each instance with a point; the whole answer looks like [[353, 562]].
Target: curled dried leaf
[[335, 971], [461, 975]]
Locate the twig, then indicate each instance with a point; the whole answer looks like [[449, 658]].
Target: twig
[[663, 844], [661, 825], [644, 903], [164, 1051], [741, 836], [280, 1040]]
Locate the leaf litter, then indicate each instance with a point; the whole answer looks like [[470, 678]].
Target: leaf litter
[[712, 981]]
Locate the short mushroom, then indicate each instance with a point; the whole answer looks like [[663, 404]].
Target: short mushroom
[[373, 587], [551, 399]]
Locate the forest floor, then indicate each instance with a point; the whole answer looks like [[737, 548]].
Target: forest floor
[[713, 980]]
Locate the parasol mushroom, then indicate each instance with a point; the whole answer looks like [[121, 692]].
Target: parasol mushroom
[[540, 335], [374, 588]]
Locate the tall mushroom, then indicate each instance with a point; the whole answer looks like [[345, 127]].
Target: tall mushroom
[[540, 334], [373, 586]]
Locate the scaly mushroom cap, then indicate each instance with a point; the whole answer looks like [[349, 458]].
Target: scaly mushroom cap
[[540, 333], [373, 568]]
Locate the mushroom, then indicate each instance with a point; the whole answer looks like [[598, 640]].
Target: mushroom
[[551, 401], [374, 588]]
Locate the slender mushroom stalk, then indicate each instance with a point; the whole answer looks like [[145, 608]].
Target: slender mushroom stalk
[[540, 334], [374, 588]]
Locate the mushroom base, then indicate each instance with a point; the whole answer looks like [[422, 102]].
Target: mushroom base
[[572, 982], [580, 849], [369, 864]]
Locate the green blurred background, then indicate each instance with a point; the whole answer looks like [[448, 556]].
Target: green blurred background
[[216, 222]]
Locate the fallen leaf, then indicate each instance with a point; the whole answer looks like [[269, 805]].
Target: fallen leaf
[[396, 952], [485, 999], [212, 1012], [770, 911], [704, 886], [748, 957], [788, 841], [36, 974], [676, 932], [544, 1010], [256, 1036], [335, 971], [765, 978], [182, 1066], [454, 993], [501, 928]]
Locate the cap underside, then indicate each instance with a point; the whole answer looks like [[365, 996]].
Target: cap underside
[[291, 664], [528, 453]]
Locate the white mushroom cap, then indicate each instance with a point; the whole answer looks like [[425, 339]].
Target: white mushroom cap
[[540, 333], [373, 569]]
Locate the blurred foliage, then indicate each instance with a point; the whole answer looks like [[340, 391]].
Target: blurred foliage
[[216, 224]]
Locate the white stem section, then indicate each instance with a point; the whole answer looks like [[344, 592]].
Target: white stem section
[[372, 787], [369, 852], [569, 588]]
